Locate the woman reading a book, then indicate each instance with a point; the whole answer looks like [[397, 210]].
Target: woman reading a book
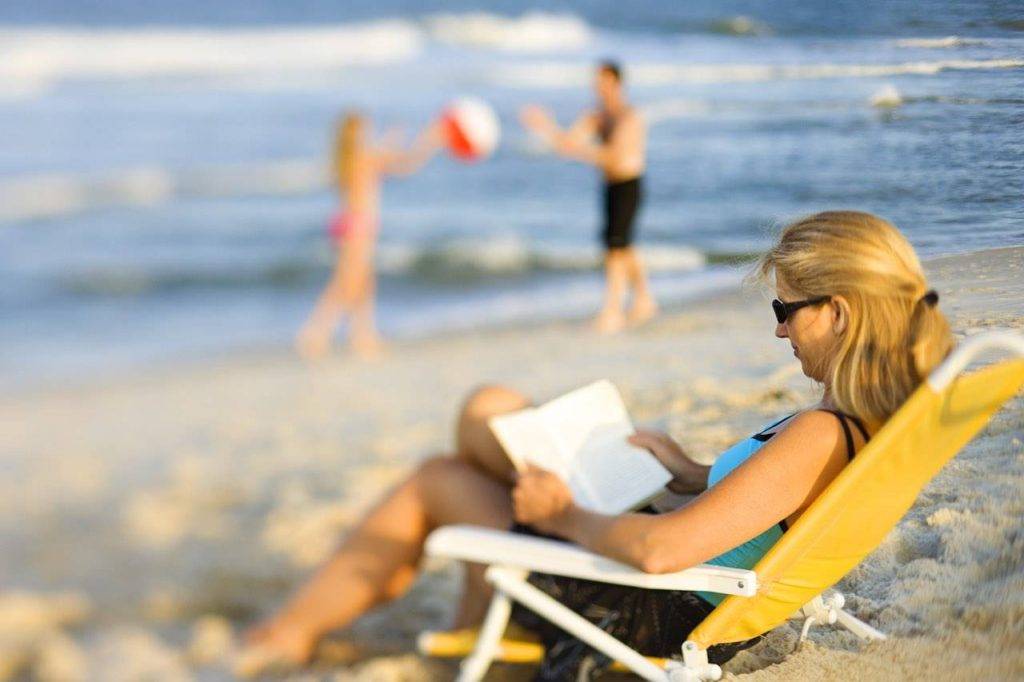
[[852, 301]]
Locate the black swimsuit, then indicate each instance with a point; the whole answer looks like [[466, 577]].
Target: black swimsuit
[[621, 199]]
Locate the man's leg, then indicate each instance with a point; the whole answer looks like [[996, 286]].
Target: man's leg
[[644, 306], [616, 271]]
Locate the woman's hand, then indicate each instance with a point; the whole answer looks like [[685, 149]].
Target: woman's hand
[[689, 476], [541, 499]]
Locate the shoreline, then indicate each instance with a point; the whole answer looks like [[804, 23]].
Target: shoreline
[[158, 370], [219, 486]]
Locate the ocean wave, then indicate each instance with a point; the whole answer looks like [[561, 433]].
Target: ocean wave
[[130, 281], [33, 59], [466, 259], [739, 26], [47, 55], [887, 97], [43, 55], [455, 261], [565, 75], [58, 195], [672, 109], [531, 32], [938, 43]]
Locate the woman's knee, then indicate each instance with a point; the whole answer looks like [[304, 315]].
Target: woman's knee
[[454, 491], [437, 466], [487, 401]]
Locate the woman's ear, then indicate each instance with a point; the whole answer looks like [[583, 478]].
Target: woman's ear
[[840, 314]]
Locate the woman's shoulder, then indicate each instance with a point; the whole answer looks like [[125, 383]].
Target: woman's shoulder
[[814, 431]]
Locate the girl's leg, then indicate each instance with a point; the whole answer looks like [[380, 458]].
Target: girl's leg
[[362, 294], [314, 338], [378, 560]]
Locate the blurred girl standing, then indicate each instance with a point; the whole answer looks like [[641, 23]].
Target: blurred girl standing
[[359, 168]]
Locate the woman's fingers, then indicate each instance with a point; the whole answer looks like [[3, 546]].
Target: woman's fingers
[[538, 495], [650, 440]]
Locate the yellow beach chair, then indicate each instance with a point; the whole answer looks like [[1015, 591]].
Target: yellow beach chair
[[847, 521]]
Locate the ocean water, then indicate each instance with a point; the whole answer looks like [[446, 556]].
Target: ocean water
[[163, 183]]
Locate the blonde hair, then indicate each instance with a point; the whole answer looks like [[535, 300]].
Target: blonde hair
[[895, 334], [348, 141]]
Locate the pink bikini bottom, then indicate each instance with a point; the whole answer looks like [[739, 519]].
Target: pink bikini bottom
[[344, 224]]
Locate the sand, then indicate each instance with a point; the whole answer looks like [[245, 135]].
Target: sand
[[145, 519]]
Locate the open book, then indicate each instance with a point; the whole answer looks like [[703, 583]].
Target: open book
[[581, 437]]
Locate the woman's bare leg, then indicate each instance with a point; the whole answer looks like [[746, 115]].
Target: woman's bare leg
[[314, 338], [476, 445], [474, 441], [378, 560], [364, 337]]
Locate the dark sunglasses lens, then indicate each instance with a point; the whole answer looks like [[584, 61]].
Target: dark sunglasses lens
[[780, 310]]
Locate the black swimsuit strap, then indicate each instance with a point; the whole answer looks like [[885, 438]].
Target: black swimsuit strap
[[850, 451], [860, 427], [764, 436]]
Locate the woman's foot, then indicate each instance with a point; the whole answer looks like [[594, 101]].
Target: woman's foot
[[609, 322], [368, 345], [273, 648], [312, 344], [643, 310]]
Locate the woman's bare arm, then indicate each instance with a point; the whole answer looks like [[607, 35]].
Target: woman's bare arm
[[394, 161], [783, 477], [688, 477]]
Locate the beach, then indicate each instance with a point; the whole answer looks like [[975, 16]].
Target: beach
[[147, 517]]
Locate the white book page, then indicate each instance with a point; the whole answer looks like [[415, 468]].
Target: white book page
[[574, 416], [526, 438], [619, 476], [592, 424]]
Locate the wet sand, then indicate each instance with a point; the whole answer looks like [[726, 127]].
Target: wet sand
[[146, 519]]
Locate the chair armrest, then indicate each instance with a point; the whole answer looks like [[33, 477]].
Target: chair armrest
[[944, 374], [540, 555]]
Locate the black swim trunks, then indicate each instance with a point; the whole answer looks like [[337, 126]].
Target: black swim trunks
[[655, 622], [621, 203]]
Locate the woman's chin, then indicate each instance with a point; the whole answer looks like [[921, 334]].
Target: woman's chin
[[808, 371]]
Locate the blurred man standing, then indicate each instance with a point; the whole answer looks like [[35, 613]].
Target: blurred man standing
[[612, 137]]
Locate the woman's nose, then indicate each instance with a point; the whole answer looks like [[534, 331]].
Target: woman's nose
[[780, 331]]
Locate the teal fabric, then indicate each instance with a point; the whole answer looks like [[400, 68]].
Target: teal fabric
[[750, 552]]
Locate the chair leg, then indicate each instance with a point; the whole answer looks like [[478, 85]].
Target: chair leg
[[513, 584], [829, 610], [475, 666], [695, 666], [858, 627]]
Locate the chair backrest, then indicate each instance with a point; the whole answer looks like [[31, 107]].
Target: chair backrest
[[861, 505]]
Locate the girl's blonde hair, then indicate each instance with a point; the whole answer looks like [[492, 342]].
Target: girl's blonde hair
[[348, 140], [895, 334]]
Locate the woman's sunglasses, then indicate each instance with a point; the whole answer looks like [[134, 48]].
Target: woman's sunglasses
[[784, 310]]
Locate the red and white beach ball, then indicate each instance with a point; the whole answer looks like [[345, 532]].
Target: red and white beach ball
[[471, 128]]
